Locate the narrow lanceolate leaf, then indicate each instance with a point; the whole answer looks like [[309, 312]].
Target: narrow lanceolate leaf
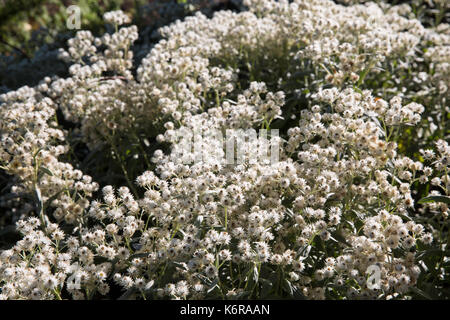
[[443, 199], [421, 293], [46, 170], [213, 286]]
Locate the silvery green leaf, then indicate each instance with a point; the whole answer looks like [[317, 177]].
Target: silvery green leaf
[[443, 199], [46, 170]]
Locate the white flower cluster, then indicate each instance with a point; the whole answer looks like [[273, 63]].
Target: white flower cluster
[[117, 17], [339, 200], [30, 146]]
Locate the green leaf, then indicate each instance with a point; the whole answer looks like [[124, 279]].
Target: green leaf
[[443, 199], [297, 293], [214, 286], [338, 236], [46, 170], [139, 255], [421, 293], [287, 287], [435, 252]]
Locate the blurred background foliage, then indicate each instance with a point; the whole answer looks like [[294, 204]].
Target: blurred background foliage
[[31, 31]]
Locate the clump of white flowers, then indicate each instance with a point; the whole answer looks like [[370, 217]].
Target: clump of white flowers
[[117, 17], [340, 199]]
